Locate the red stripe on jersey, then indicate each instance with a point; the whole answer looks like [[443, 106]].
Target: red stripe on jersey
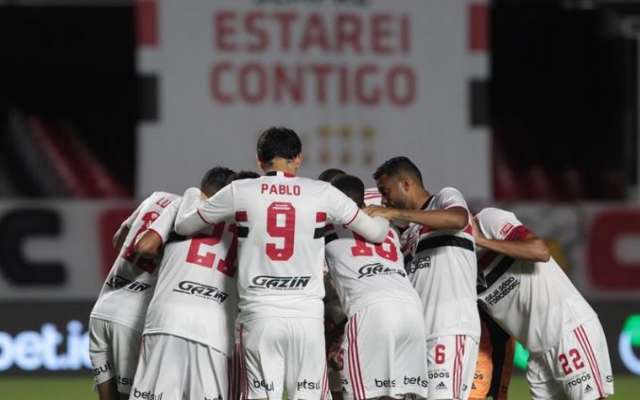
[[468, 229], [424, 229], [354, 217], [520, 232], [321, 216], [288, 175], [241, 216], [487, 258]]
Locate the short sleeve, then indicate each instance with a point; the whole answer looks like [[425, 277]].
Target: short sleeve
[[501, 225], [129, 221], [451, 197], [163, 225], [218, 207], [341, 209]]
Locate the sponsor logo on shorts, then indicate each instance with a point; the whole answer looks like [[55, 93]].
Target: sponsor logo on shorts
[[102, 369], [262, 384], [438, 374], [609, 378], [580, 379], [202, 291], [588, 388], [501, 291], [308, 385], [124, 381], [479, 376], [280, 282], [441, 386], [385, 383], [147, 395], [418, 263], [120, 282], [376, 269], [416, 380]]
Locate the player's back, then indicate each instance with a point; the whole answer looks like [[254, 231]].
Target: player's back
[[365, 273], [195, 295], [534, 301], [441, 264], [129, 286], [281, 222]]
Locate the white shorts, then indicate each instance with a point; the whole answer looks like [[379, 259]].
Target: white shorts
[[578, 368], [451, 363], [384, 352], [113, 350], [174, 368], [278, 354]]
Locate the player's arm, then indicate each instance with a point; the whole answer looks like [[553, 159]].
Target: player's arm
[[451, 218], [122, 232], [373, 229], [196, 215], [527, 248], [151, 242]]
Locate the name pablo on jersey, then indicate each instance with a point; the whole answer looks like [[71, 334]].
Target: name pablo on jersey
[[281, 189]]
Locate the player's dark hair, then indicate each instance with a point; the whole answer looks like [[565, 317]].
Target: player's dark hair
[[352, 186], [278, 141], [214, 180], [328, 174], [396, 166], [243, 175]]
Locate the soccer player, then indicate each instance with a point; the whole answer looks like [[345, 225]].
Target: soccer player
[[243, 175], [441, 263], [384, 350], [117, 318], [281, 223], [529, 295], [187, 339]]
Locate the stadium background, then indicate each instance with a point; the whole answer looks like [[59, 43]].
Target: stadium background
[[532, 105]]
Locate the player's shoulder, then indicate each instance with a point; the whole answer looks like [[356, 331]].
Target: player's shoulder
[[449, 191], [494, 213]]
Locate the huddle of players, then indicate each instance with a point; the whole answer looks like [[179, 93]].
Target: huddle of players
[[408, 297]]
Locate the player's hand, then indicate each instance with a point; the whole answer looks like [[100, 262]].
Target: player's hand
[[478, 236], [378, 211]]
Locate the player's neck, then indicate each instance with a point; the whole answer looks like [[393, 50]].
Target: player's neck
[[282, 165], [420, 198]]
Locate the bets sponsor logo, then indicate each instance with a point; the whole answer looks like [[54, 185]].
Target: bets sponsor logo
[[202, 291], [148, 395], [106, 367], [609, 378], [580, 379], [416, 380], [376, 269], [441, 386], [124, 381], [262, 384], [385, 383], [502, 291], [280, 282], [418, 263], [308, 385]]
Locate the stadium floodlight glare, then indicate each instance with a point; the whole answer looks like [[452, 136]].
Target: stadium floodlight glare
[[628, 341]]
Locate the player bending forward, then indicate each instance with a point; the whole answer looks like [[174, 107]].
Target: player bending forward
[[383, 349], [117, 318], [441, 264], [530, 296], [187, 339], [281, 221]]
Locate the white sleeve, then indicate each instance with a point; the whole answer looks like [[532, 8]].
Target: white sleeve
[[217, 208], [373, 229], [163, 225], [497, 224], [341, 209], [451, 197], [129, 221]]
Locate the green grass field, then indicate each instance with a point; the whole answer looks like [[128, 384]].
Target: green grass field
[[80, 388]]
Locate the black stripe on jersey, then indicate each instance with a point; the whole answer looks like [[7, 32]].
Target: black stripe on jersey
[[319, 233], [499, 270], [433, 242], [174, 237], [243, 231], [330, 238]]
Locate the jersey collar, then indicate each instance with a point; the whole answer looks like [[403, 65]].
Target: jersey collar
[[426, 203], [280, 173]]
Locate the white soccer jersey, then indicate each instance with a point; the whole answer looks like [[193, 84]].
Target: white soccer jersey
[[129, 286], [533, 301], [441, 265], [196, 295], [365, 273], [372, 197], [281, 222]]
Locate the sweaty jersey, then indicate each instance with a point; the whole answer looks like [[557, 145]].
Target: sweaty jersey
[[534, 301], [441, 265], [281, 222], [129, 286], [196, 295], [365, 273]]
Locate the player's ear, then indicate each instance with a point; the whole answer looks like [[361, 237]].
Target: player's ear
[[405, 184], [298, 160], [259, 164]]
